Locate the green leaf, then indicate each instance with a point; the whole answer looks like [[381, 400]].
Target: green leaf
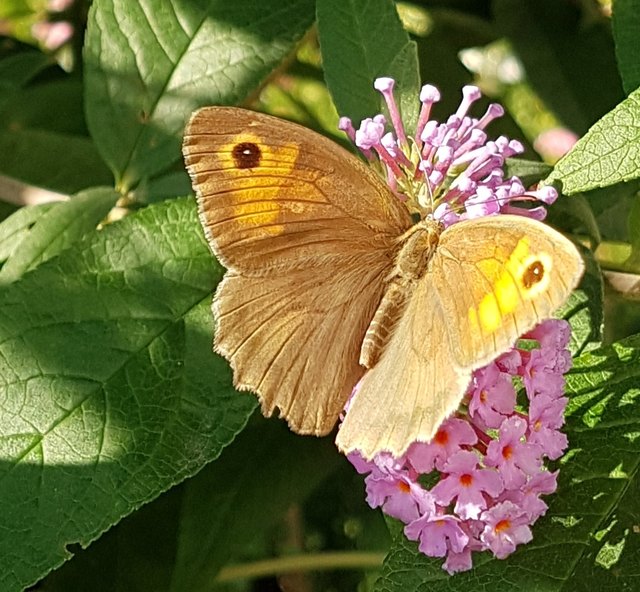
[[61, 162], [43, 137], [574, 214], [16, 227], [55, 106], [611, 207], [362, 40], [568, 56], [148, 65], [63, 224], [110, 391], [588, 539], [529, 171], [164, 186], [584, 308], [626, 26], [607, 154]]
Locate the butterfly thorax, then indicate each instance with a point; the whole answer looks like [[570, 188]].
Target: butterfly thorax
[[417, 246]]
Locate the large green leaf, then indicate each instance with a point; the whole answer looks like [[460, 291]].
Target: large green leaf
[[362, 40], [608, 154], [149, 64], [588, 540], [110, 392]]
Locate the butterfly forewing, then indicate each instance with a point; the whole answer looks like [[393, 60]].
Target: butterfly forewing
[[275, 194], [308, 234], [498, 277]]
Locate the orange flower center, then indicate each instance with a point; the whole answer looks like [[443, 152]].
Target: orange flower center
[[404, 487], [537, 425], [507, 452], [466, 480], [503, 525], [442, 437], [483, 395]]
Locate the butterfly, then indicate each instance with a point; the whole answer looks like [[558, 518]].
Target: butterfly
[[331, 284]]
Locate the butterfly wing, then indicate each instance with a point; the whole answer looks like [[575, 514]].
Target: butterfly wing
[[413, 387], [273, 194], [489, 281], [308, 234], [295, 338], [497, 278]]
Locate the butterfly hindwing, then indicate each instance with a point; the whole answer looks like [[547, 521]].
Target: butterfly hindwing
[[415, 384], [294, 344]]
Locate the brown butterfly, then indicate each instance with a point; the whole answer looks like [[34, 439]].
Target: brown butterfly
[[330, 283]]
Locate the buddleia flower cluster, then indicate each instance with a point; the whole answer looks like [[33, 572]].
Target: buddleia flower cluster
[[477, 485]]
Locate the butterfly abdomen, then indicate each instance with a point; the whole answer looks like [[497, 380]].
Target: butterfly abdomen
[[381, 326]]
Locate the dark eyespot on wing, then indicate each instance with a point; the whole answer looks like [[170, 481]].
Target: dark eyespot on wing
[[533, 274], [246, 155]]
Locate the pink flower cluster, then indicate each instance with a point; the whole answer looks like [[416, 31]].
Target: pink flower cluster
[[488, 459], [486, 464], [449, 170]]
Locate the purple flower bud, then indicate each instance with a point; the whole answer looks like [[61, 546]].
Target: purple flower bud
[[545, 194], [369, 134], [494, 111], [345, 125], [470, 94], [385, 86]]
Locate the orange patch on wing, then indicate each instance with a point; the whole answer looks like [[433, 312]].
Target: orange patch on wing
[[259, 171]]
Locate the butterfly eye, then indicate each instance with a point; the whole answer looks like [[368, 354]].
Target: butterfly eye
[[533, 274], [246, 155]]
